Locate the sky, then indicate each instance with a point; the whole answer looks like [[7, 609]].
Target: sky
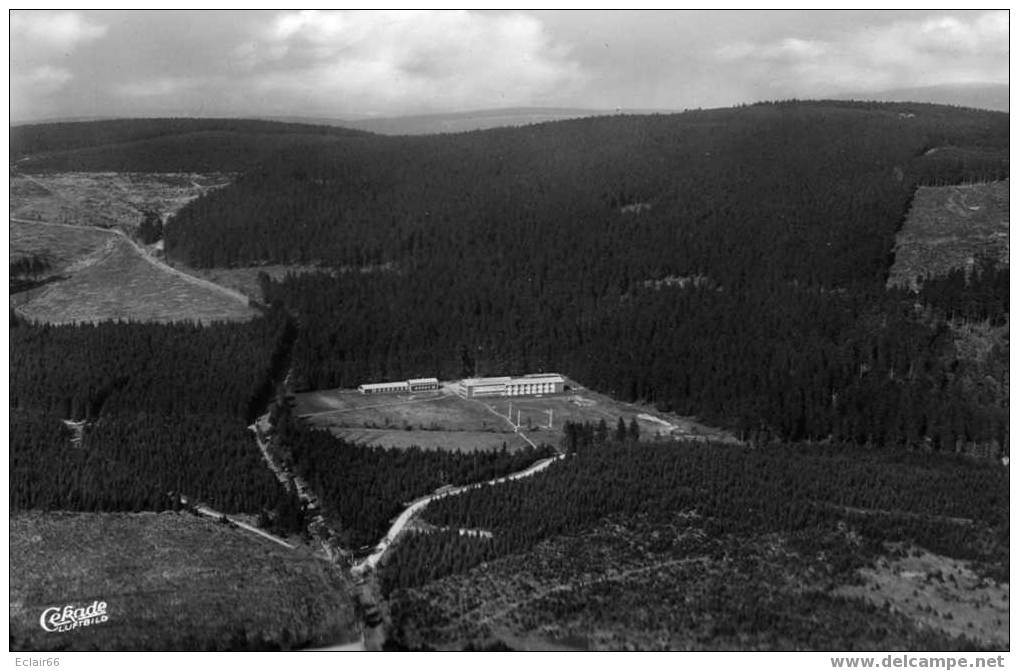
[[337, 64]]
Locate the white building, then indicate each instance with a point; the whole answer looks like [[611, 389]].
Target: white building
[[407, 386], [384, 388], [527, 385], [423, 384], [535, 384], [474, 387]]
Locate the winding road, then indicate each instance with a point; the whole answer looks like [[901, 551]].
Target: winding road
[[400, 523], [197, 281]]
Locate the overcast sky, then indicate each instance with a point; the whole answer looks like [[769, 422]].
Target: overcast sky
[[342, 64]]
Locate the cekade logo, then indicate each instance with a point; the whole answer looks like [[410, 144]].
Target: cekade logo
[[70, 617]]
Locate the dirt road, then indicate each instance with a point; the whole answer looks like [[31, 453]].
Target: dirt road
[[400, 523], [215, 514], [516, 429], [197, 281]]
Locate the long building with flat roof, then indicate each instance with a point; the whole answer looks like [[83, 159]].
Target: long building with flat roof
[[474, 387], [535, 384], [539, 383], [383, 388], [423, 384], [404, 387]]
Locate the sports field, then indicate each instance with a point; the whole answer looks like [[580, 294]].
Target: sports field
[[443, 420]]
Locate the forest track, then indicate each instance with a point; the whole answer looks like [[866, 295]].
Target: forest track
[[896, 513], [283, 474], [206, 511], [400, 523], [191, 279], [516, 429], [318, 528]]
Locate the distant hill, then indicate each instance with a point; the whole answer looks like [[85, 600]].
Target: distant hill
[[563, 247], [458, 122], [160, 145], [979, 96]]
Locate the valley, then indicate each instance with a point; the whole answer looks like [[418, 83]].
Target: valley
[[781, 458]]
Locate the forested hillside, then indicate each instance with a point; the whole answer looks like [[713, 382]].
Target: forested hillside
[[725, 263], [162, 411], [811, 191], [159, 145], [949, 505], [686, 546], [364, 487]]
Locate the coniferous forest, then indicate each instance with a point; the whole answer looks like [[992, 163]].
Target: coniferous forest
[[951, 505], [725, 264], [729, 264], [162, 411], [363, 487]]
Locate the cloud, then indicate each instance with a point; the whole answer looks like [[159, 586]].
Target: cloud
[[934, 50], [46, 78], [788, 49], [159, 86], [394, 61], [41, 44], [52, 30]]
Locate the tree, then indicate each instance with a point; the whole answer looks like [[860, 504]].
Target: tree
[[621, 431], [151, 228], [634, 430]]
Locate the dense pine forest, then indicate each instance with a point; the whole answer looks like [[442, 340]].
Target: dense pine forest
[[948, 504], [363, 488], [160, 145], [89, 371], [979, 294], [729, 264], [163, 411]]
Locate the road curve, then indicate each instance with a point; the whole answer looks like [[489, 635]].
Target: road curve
[[400, 523], [197, 281]]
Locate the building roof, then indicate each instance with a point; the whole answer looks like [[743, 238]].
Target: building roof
[[477, 381], [539, 378]]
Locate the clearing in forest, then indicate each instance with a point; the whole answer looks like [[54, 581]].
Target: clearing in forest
[[113, 281], [106, 199], [951, 227], [939, 593], [63, 247], [443, 420], [429, 420], [170, 581]]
